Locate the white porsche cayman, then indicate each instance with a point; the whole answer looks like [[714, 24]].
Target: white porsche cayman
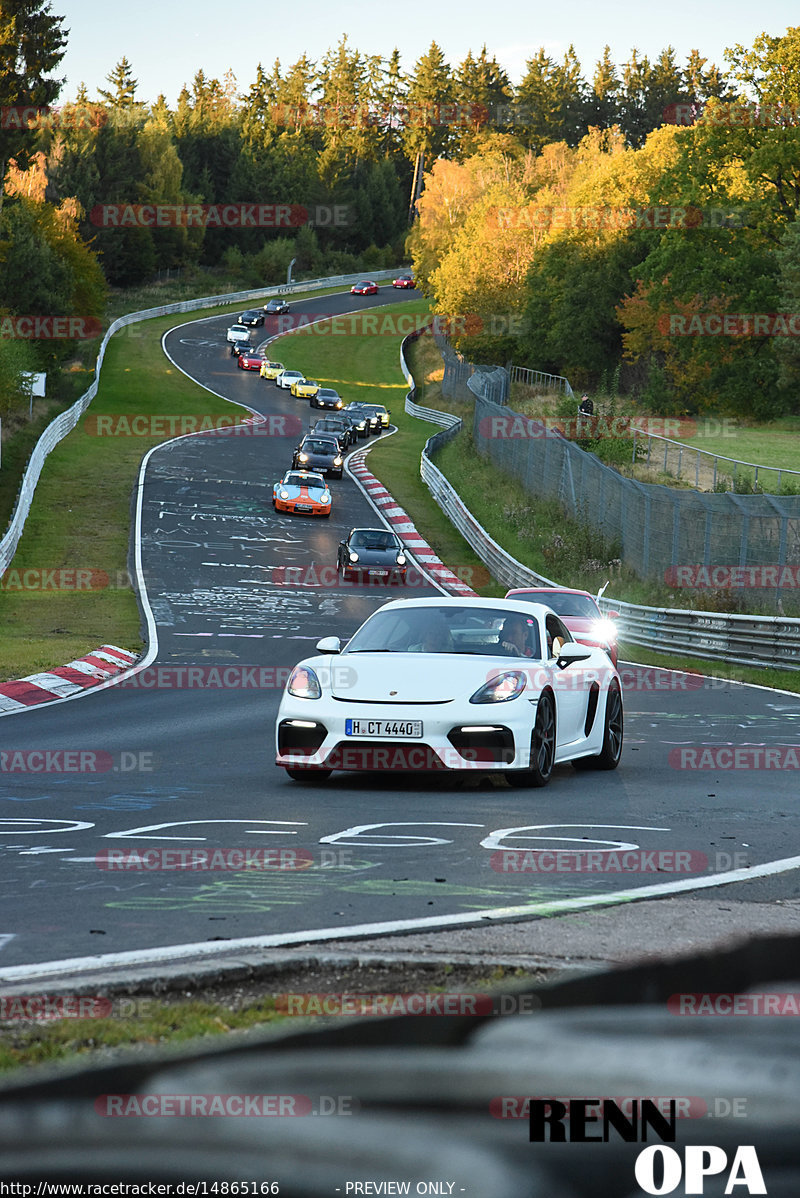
[[456, 684]]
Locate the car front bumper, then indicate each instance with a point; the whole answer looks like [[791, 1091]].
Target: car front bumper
[[455, 735]]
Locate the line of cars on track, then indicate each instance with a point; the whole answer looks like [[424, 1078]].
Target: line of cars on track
[[338, 713]]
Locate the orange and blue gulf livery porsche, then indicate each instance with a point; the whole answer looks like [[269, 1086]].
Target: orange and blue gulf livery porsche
[[302, 492]]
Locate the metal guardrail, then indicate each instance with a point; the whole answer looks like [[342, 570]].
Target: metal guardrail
[[540, 378], [769, 641], [66, 421], [673, 448]]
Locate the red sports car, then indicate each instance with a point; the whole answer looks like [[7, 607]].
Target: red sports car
[[250, 361], [580, 613], [404, 281], [365, 287]]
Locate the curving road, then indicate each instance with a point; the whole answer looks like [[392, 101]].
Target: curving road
[[186, 748]]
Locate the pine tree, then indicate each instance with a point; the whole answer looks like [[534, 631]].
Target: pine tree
[[123, 84], [602, 106], [32, 44]]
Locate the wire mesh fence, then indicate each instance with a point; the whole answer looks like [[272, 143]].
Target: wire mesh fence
[[458, 372], [739, 543]]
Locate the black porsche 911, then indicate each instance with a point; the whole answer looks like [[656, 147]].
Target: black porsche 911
[[338, 426], [320, 453], [372, 553]]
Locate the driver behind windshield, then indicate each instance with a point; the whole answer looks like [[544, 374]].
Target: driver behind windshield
[[514, 636]]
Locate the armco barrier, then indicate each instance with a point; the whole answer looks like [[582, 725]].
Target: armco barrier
[[66, 421], [771, 641]]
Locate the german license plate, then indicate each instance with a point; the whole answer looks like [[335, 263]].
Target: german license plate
[[303, 507], [378, 573], [401, 729]]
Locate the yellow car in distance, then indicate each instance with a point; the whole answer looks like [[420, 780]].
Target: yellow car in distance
[[305, 388], [271, 370]]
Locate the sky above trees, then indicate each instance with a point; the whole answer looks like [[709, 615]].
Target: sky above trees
[[168, 44]]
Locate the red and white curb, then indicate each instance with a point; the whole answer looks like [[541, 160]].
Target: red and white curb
[[65, 681], [403, 525]]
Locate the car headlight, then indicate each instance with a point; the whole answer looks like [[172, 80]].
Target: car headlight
[[605, 630], [302, 457], [353, 556], [337, 461], [304, 684], [401, 559], [284, 494], [500, 688], [338, 403], [326, 496]]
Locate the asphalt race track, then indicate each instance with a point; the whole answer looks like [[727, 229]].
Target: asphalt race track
[[189, 763]]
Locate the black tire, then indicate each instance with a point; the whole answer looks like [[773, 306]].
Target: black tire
[[611, 753], [306, 775], [543, 747]]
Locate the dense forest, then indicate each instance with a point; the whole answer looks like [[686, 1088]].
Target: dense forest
[[580, 219]]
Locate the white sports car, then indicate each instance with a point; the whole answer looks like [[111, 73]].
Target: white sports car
[[452, 683]]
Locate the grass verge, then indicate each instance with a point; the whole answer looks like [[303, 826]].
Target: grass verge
[[81, 514], [368, 368]]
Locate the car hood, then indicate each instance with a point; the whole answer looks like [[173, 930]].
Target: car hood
[[323, 459], [415, 677], [376, 557]]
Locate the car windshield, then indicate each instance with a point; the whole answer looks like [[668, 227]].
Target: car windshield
[[483, 631], [313, 481], [368, 538], [318, 445], [293, 374], [329, 393], [565, 604]]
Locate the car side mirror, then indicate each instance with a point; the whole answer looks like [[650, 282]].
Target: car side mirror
[[570, 652], [329, 644]]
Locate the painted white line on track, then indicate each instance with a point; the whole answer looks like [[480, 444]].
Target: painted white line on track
[[178, 952]]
